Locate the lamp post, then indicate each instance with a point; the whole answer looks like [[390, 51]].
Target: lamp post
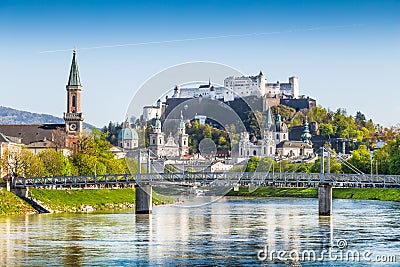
[[95, 169], [370, 159]]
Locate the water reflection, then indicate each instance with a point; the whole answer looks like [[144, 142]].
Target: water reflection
[[229, 231]]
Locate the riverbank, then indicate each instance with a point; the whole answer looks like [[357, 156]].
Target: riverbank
[[10, 204], [81, 200], [75, 200], [384, 194]]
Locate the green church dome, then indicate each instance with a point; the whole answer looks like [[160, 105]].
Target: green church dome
[[128, 134]]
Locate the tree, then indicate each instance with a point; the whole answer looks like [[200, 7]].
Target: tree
[[394, 156], [252, 164], [55, 163], [286, 112], [336, 167], [207, 131], [22, 163], [360, 159], [115, 166], [59, 137], [12, 162], [132, 166], [360, 119], [112, 131], [326, 129], [32, 164], [265, 164], [381, 160], [85, 164]]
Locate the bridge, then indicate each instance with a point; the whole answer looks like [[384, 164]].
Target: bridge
[[290, 179], [143, 182]]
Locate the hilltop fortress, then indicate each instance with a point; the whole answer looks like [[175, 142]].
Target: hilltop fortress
[[265, 94]]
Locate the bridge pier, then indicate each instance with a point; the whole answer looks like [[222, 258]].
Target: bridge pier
[[144, 195], [21, 192], [325, 199]]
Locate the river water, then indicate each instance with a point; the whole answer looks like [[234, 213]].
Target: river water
[[231, 231]]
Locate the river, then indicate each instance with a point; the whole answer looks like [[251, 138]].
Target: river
[[231, 231]]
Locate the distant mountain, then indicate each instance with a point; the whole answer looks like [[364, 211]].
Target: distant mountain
[[14, 116]]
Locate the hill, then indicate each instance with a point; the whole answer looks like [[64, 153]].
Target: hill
[[14, 116]]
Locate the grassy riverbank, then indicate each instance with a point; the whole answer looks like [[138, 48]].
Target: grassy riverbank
[[386, 194], [76, 200], [10, 204]]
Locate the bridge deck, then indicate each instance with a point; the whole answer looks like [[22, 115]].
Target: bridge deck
[[214, 178]]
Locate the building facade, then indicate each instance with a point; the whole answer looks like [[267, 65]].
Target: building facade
[[275, 141], [160, 147], [258, 86], [266, 147]]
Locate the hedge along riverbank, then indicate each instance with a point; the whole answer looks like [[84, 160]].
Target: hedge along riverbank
[[77, 200], [385, 194]]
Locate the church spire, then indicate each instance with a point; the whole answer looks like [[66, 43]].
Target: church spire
[[268, 120], [306, 136], [74, 79]]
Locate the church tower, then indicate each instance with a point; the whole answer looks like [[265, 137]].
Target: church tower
[[183, 138], [157, 138], [73, 117], [269, 143]]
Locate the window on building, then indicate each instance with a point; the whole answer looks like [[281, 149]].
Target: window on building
[[254, 153], [160, 141], [284, 136], [241, 152], [74, 101], [154, 141], [277, 136]]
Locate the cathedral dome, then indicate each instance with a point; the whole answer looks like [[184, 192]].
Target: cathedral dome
[[128, 134]]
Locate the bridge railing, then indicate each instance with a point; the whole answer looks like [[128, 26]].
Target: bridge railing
[[255, 178]]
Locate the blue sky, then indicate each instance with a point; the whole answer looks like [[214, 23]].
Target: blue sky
[[346, 53]]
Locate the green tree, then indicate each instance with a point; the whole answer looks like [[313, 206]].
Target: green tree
[[55, 163], [115, 166], [381, 160], [112, 131], [394, 156], [252, 164], [32, 165], [360, 159], [95, 144], [286, 112], [326, 129], [22, 163], [207, 133], [335, 165], [85, 164]]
